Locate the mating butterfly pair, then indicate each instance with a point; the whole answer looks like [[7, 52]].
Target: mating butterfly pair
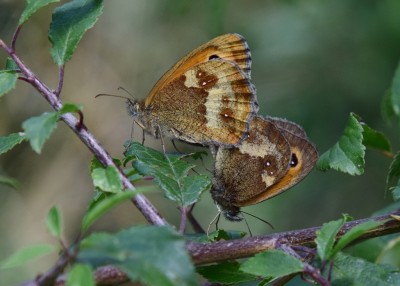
[[207, 98]]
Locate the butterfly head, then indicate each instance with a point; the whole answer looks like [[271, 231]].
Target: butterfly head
[[133, 107]]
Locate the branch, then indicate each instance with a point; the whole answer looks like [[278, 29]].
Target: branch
[[234, 249], [144, 206], [206, 253]]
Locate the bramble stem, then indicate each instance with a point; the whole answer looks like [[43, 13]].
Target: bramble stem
[[144, 206]]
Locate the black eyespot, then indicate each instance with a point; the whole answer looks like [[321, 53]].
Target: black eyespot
[[213, 57], [293, 161]]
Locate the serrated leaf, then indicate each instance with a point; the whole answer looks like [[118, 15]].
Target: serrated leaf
[[8, 142], [69, 23], [95, 163], [7, 81], [11, 65], [375, 139], [225, 273], [349, 270], [38, 129], [150, 254], [170, 172], [326, 237], [8, 181], [80, 275], [394, 170], [272, 263], [69, 107], [107, 179], [97, 210], [347, 155], [354, 233], [32, 7], [26, 254], [54, 222]]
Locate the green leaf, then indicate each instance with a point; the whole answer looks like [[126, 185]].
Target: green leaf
[[355, 233], [347, 155], [8, 181], [68, 25], [8, 142], [38, 129], [54, 222], [152, 255], [69, 107], [170, 172], [394, 170], [11, 65], [396, 192], [104, 205], [27, 254], [198, 155], [80, 275], [95, 164], [326, 237], [32, 7], [349, 270], [375, 139], [387, 106], [225, 273], [107, 179], [7, 81], [272, 263], [132, 174], [390, 254], [395, 89], [217, 235]]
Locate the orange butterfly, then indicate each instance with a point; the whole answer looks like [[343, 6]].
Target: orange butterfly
[[205, 98], [276, 155]]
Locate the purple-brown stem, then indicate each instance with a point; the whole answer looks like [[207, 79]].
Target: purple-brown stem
[[205, 253], [145, 207]]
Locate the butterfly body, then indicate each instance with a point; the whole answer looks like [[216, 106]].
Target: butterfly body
[[276, 155], [206, 98]]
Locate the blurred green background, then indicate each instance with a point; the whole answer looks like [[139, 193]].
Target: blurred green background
[[313, 63]]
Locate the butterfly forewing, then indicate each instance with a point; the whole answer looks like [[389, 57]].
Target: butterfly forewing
[[303, 158], [245, 172], [210, 101], [231, 47]]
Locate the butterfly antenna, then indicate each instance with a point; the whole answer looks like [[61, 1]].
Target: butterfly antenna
[[248, 227], [258, 219], [124, 89], [216, 220], [112, 95]]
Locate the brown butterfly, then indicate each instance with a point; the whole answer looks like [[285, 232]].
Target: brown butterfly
[[205, 98], [276, 155]]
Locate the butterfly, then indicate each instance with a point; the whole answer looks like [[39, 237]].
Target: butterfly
[[276, 155], [205, 98]]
